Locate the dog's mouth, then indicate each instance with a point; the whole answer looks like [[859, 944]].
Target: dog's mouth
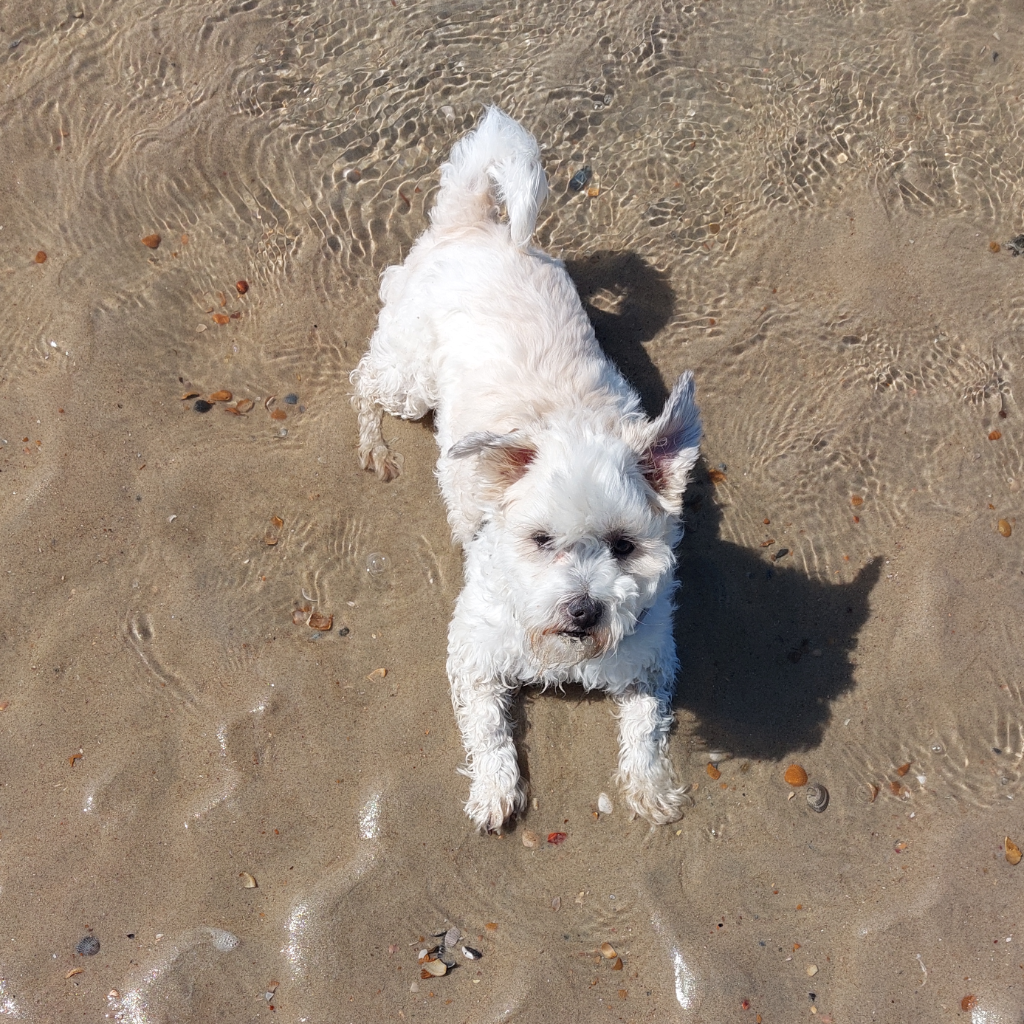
[[576, 634]]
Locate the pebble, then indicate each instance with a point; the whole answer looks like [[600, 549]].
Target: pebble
[[353, 174], [291, 399], [812, 970], [841, 158], [344, 631], [530, 839], [579, 179], [202, 405], [89, 946]]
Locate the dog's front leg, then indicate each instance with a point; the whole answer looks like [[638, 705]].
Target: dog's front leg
[[481, 709], [645, 772]]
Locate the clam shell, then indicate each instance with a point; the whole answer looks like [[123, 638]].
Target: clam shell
[[817, 797]]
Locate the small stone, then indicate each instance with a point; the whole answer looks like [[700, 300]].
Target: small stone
[[812, 970], [151, 241], [291, 399], [353, 174], [530, 839], [202, 405], [841, 158], [89, 946], [579, 179], [344, 631]]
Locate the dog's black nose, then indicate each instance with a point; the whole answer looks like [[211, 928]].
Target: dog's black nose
[[585, 612]]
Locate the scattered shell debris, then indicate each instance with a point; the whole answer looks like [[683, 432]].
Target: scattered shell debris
[[795, 775]]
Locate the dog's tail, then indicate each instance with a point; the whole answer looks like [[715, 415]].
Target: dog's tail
[[499, 161]]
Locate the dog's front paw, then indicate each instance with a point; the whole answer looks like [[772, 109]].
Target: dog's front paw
[[490, 805], [382, 460], [659, 806]]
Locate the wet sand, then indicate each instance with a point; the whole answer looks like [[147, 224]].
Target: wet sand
[[795, 200]]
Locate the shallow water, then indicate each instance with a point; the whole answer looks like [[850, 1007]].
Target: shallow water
[[796, 200]]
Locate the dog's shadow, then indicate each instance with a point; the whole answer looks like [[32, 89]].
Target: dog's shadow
[[764, 649]]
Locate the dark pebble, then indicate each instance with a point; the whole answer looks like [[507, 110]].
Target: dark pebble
[[781, 553], [344, 631], [579, 179], [89, 946], [291, 399], [202, 405]]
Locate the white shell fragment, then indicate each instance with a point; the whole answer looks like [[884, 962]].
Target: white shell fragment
[[451, 937], [248, 882], [604, 803], [470, 953]]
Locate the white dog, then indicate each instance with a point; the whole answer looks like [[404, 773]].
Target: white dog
[[565, 497]]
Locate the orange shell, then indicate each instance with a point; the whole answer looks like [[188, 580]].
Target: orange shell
[[795, 775]]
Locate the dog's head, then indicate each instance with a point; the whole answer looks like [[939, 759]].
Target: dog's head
[[586, 517]]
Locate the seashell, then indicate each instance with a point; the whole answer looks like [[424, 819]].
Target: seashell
[[903, 769], [817, 797], [579, 179], [451, 937], [617, 966], [221, 396], [321, 622], [470, 953], [718, 756], [712, 771], [90, 945], [608, 951], [248, 882], [604, 803], [1004, 527], [530, 839], [795, 775], [433, 969], [241, 287], [151, 241], [1012, 851]]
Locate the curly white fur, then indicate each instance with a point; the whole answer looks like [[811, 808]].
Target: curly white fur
[[565, 497]]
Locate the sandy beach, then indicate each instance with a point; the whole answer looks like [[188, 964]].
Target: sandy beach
[[212, 811]]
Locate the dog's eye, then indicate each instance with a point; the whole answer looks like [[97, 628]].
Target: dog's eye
[[622, 547], [542, 540]]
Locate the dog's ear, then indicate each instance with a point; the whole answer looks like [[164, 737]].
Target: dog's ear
[[671, 444], [504, 458]]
